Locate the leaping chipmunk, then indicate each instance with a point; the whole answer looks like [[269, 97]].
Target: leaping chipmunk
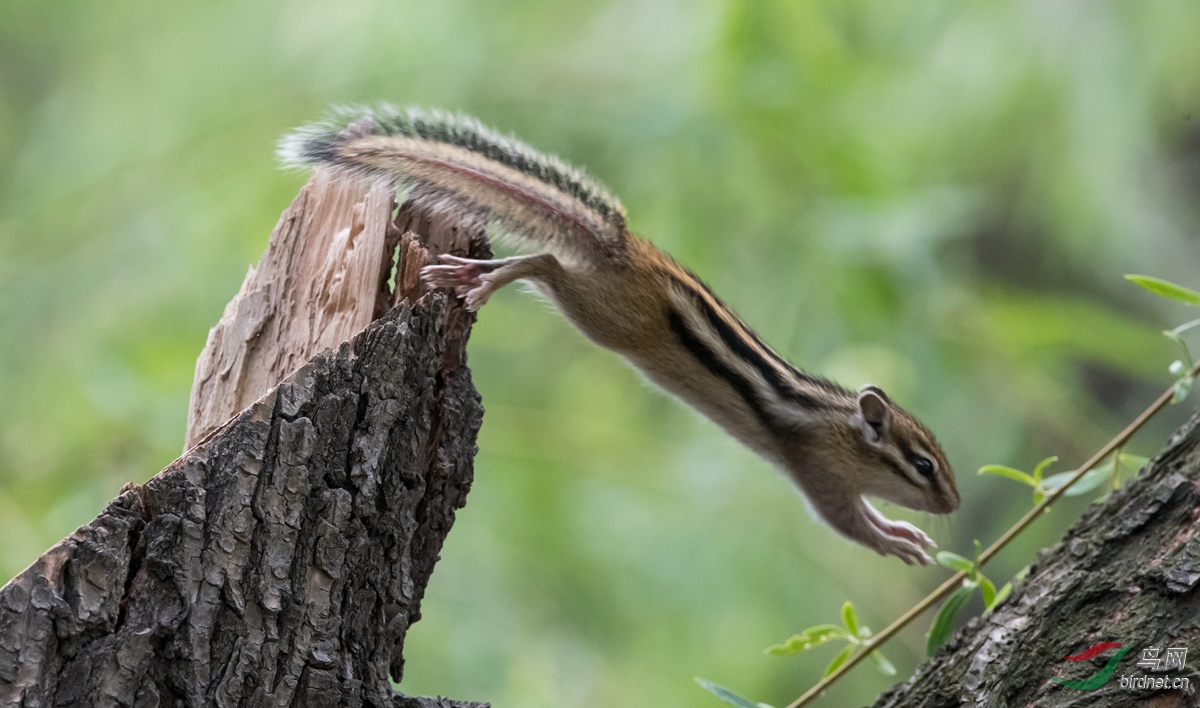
[[626, 295]]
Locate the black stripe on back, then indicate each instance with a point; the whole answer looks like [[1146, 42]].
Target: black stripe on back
[[709, 360], [753, 357], [798, 373]]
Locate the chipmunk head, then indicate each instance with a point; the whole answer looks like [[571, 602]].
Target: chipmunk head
[[906, 465]]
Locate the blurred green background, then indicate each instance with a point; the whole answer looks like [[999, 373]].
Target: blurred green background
[[939, 197]]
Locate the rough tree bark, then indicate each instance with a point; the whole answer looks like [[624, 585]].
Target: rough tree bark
[[1127, 572], [281, 560]]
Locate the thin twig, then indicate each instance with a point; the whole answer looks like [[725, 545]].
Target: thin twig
[[955, 581]]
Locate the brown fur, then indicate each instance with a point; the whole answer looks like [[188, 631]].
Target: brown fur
[[627, 296]]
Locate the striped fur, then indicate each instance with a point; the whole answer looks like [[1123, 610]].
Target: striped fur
[[787, 396], [626, 295], [453, 163]]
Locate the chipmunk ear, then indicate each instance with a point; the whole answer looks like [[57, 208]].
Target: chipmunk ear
[[876, 412]]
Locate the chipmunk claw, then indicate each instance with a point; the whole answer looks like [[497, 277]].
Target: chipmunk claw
[[468, 278]]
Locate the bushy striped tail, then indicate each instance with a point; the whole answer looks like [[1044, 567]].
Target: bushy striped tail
[[453, 164]]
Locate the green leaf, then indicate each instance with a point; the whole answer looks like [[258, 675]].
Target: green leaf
[[1086, 483], [728, 696], [1181, 389], [1167, 289], [1001, 594], [1179, 367], [1037, 471], [881, 662], [840, 659], [849, 619], [953, 561], [988, 589], [1133, 462], [1014, 474], [809, 638], [943, 623]]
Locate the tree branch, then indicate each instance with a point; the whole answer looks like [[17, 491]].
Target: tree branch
[[1126, 572]]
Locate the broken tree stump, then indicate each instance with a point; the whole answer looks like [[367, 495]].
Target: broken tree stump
[[281, 560]]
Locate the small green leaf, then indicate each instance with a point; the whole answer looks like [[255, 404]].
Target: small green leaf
[[1088, 482], [1037, 471], [953, 561], [809, 638], [988, 589], [1179, 367], [728, 696], [1014, 474], [1001, 594], [849, 619], [1167, 289], [943, 623], [1181, 389], [1184, 364], [881, 662], [840, 659], [1133, 462]]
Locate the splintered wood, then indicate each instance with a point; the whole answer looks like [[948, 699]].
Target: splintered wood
[[281, 560], [322, 279]]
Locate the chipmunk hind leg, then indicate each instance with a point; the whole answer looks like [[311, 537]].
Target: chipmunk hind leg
[[476, 280]]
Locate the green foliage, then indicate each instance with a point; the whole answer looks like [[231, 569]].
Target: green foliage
[[943, 621], [926, 196], [1184, 379], [840, 659], [1108, 475], [1166, 289], [728, 696], [1181, 369], [1034, 480], [852, 632], [810, 638]]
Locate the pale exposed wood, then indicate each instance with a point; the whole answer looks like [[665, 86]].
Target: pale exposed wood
[[281, 560], [316, 285]]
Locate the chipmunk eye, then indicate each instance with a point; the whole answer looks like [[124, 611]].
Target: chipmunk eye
[[924, 466]]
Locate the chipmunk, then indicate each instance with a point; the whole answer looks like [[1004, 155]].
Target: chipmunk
[[628, 296]]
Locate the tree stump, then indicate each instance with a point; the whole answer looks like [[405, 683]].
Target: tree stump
[[1127, 572], [281, 560]]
